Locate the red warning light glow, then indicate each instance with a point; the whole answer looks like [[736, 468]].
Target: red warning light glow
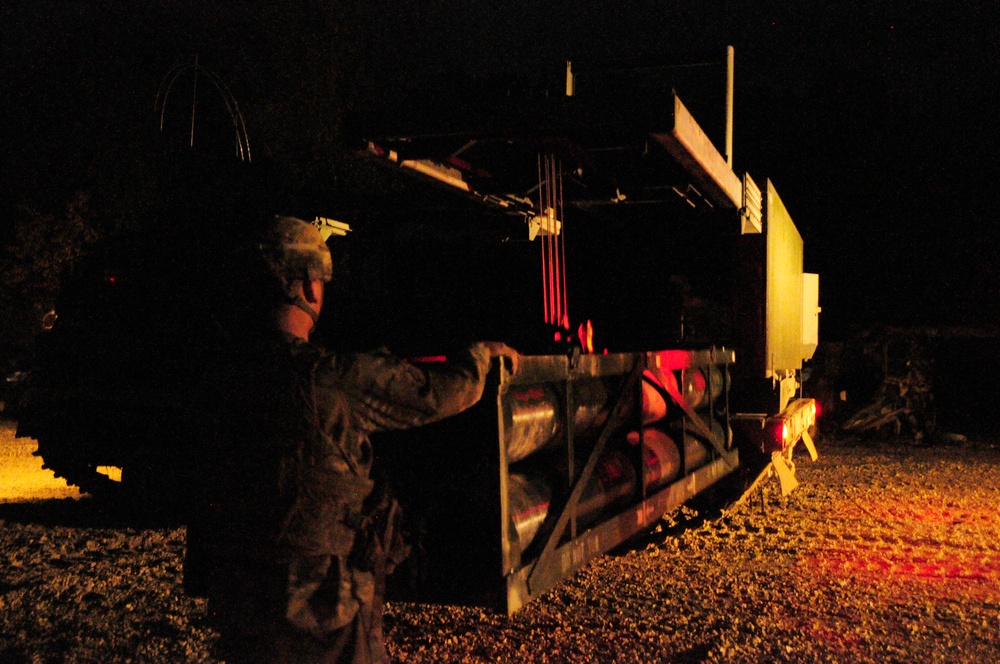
[[585, 333], [428, 359]]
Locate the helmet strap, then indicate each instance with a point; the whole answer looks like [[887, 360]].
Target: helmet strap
[[301, 303]]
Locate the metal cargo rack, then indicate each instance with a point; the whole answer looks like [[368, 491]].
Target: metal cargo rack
[[577, 455]]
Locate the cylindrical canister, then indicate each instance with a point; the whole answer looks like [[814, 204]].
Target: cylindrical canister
[[661, 460], [697, 450], [698, 385], [533, 421], [536, 413], [529, 498], [612, 483], [654, 405], [590, 403]]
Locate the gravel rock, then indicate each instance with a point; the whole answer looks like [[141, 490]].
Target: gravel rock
[[884, 554]]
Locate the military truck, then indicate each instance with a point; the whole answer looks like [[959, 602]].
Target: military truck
[[658, 295]]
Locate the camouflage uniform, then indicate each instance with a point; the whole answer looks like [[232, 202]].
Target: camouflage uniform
[[281, 539], [277, 543]]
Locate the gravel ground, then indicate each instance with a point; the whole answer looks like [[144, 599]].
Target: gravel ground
[[884, 554]]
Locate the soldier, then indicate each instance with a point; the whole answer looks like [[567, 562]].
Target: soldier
[[282, 541]]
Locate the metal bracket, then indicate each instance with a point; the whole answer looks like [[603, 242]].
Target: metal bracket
[[810, 445], [786, 473]]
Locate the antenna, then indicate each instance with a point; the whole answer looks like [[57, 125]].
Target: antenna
[[195, 69]]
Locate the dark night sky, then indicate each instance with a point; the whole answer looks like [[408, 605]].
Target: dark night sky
[[876, 121]]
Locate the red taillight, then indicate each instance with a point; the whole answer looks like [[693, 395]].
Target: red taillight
[[783, 432]]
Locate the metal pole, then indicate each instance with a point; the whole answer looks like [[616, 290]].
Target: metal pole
[[194, 100], [730, 58]]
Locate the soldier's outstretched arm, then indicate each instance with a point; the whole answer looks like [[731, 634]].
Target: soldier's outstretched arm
[[389, 393]]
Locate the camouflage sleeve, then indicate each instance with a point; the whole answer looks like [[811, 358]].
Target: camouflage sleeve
[[386, 392]]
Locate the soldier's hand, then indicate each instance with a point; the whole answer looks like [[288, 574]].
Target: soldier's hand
[[502, 350]]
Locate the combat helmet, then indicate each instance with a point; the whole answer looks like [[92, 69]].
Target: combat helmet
[[294, 250]]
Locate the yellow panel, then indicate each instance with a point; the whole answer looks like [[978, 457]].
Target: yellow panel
[[810, 314], [784, 287]]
